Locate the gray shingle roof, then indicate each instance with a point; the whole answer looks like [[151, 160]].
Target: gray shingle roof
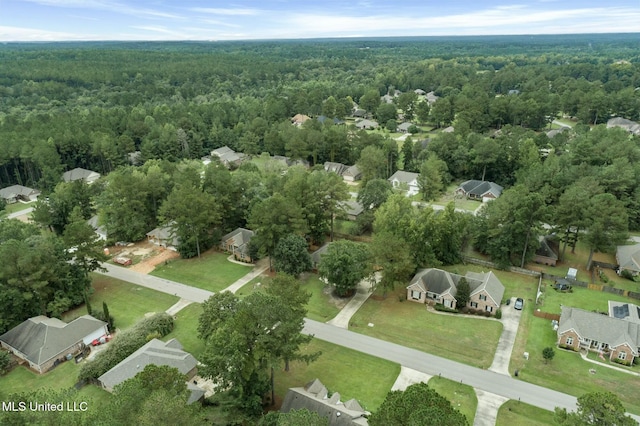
[[80, 174], [316, 256], [41, 339], [601, 328], [11, 192], [337, 168], [628, 257], [404, 177], [352, 171], [441, 282], [155, 352], [487, 281], [481, 188], [351, 208], [240, 237], [313, 397]]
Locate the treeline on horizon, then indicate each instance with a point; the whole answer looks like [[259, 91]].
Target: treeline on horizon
[[90, 104]]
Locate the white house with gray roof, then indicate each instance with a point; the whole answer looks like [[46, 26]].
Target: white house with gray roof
[[87, 176], [406, 181], [45, 342], [154, 352], [15, 193], [437, 286]]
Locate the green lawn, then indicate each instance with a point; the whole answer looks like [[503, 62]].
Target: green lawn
[[410, 324], [579, 297], [321, 306], [186, 329], [462, 397], [518, 413], [460, 202], [567, 372], [212, 271], [353, 374], [128, 303], [16, 207]]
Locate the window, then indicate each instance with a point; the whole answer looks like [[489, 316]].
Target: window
[[622, 355], [415, 295], [473, 304], [569, 340], [482, 297], [488, 308]]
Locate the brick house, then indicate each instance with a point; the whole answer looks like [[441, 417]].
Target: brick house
[[435, 286], [615, 338]]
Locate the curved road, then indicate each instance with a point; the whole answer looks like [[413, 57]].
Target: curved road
[[484, 380]]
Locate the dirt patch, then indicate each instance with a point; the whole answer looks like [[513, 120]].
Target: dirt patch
[[153, 259], [339, 302]]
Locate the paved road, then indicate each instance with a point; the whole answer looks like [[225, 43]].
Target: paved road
[[484, 380], [20, 213]]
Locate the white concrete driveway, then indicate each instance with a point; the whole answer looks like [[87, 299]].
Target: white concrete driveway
[[510, 321]]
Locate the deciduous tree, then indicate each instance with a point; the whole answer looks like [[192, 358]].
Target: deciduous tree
[[344, 265], [291, 256]]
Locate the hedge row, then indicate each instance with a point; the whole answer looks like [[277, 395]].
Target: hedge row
[[126, 343]]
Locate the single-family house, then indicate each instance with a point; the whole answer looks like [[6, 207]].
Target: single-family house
[[337, 168], [419, 92], [315, 397], [228, 157], [237, 243], [432, 98], [88, 176], [628, 125], [628, 258], [45, 342], [513, 92], [359, 113], [164, 236], [299, 119], [154, 352], [614, 338], [316, 256], [449, 129], [479, 190], [435, 286], [387, 99], [352, 174], [406, 181], [367, 124], [15, 193], [352, 209], [547, 253], [404, 127]]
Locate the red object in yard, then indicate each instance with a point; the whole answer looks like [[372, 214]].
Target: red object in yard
[[95, 342], [121, 260]]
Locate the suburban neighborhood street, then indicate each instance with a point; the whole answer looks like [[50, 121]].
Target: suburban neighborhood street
[[487, 381]]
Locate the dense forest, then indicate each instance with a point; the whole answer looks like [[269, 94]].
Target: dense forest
[[67, 105]]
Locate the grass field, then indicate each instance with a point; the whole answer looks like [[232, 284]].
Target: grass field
[[127, 302], [211, 272], [16, 207], [462, 397], [410, 324], [460, 202], [21, 379], [186, 329], [583, 298], [353, 374], [518, 413]]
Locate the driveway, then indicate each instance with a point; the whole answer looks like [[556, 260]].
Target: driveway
[[510, 321], [362, 294]]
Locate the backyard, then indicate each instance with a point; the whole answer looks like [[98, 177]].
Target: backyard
[[186, 329], [410, 324], [128, 303], [212, 271]]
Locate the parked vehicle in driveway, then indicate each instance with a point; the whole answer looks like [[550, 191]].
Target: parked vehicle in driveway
[[121, 260], [519, 304]]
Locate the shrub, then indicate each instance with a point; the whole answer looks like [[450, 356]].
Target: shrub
[[465, 310], [442, 308], [5, 360], [499, 314], [125, 344], [625, 273], [486, 314], [622, 362]]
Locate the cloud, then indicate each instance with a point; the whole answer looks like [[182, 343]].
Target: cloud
[[110, 6], [227, 11], [8, 33]]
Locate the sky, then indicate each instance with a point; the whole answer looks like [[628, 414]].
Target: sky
[[66, 20]]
